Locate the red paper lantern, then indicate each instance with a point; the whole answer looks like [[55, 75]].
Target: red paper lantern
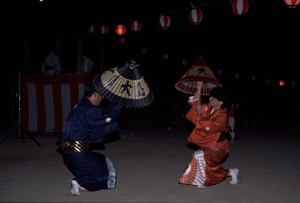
[[240, 7], [165, 56], [195, 16], [237, 75], [268, 81], [291, 3], [120, 29], [122, 40], [136, 26], [184, 62], [103, 29], [164, 22], [91, 29], [293, 82], [281, 82], [253, 78], [220, 71], [144, 51], [57, 42]]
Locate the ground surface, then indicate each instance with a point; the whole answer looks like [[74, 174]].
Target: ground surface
[[149, 161]]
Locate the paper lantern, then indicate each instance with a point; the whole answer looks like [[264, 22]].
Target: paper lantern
[[184, 62], [237, 76], [124, 85], [240, 7], [268, 81], [220, 71], [195, 16], [57, 42], [281, 83], [120, 29], [103, 29], [293, 83], [91, 28], [164, 22], [144, 51], [122, 40], [165, 56], [136, 26], [198, 72], [253, 77], [291, 3]]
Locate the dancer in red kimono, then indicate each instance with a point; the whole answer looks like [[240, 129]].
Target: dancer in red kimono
[[205, 168]]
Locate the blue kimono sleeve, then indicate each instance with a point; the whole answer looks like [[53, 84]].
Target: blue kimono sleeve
[[108, 129], [103, 121]]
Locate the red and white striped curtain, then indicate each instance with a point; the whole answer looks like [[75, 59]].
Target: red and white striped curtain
[[47, 100]]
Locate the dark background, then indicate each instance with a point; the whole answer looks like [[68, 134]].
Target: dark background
[[264, 42]]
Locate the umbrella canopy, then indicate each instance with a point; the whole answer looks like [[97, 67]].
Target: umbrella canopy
[[124, 85], [198, 72]]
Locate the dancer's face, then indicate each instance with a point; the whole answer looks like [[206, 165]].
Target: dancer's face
[[214, 102], [96, 99]]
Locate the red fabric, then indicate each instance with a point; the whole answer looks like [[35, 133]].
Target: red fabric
[[40, 104], [57, 100], [205, 168], [208, 126], [192, 114], [231, 111], [214, 170]]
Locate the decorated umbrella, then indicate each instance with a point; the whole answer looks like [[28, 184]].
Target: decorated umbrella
[[124, 85], [198, 72]]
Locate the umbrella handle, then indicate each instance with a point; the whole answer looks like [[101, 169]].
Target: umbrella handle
[[199, 95], [198, 92]]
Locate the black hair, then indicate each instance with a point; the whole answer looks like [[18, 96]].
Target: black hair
[[221, 94], [89, 90]]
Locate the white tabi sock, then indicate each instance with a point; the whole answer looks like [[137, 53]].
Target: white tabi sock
[[75, 187], [234, 172]]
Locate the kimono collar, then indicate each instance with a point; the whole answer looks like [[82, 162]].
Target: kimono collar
[[86, 100], [218, 110]]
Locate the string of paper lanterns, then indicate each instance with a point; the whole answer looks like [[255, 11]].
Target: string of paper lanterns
[[120, 29], [103, 29], [291, 3], [136, 26], [144, 51], [184, 62], [195, 16], [122, 40], [165, 56], [164, 22], [254, 78], [91, 28], [240, 7]]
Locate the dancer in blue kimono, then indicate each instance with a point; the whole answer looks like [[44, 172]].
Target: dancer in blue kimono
[[88, 123]]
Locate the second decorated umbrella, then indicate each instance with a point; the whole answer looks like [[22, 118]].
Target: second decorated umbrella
[[124, 85], [198, 72]]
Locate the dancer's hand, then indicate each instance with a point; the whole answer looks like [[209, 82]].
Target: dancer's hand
[[199, 85], [198, 92]]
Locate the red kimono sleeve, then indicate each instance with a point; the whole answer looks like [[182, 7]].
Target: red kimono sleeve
[[192, 114], [213, 125]]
